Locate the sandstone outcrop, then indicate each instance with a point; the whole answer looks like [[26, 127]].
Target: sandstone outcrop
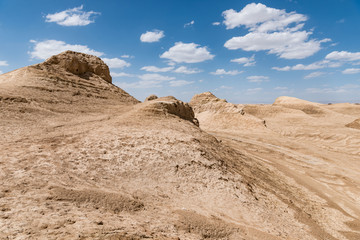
[[80, 64], [151, 97], [169, 105]]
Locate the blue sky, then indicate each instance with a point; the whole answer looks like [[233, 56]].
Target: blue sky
[[243, 51]]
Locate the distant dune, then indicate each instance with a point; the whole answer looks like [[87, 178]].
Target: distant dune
[[82, 159]]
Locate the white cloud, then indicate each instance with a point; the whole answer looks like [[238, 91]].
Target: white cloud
[[246, 61], [179, 83], [223, 72], [288, 45], [121, 74], [258, 79], [153, 36], [116, 62], [261, 18], [225, 87], [314, 75], [271, 30], [155, 77], [47, 48], [343, 56], [1, 72], [189, 24], [351, 71], [127, 56], [156, 69], [281, 88], [253, 90], [72, 17], [216, 23], [287, 68], [149, 80], [188, 53], [342, 89], [185, 70], [4, 63], [139, 84], [312, 66]]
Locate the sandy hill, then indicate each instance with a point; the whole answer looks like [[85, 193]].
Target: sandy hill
[[66, 79], [216, 114], [82, 159]]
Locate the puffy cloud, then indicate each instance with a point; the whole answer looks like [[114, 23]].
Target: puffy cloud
[[343, 56], [261, 18], [116, 62], [121, 74], [258, 79], [216, 23], [185, 70], [287, 68], [189, 24], [72, 17], [288, 45], [47, 48], [188, 53], [4, 63], [223, 72], [314, 75], [246, 61], [312, 66], [179, 83], [271, 30], [153, 36], [351, 71], [156, 69]]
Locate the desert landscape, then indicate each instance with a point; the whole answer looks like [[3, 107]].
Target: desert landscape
[[80, 158]]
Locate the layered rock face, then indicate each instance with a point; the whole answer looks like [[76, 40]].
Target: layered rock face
[[169, 105], [80, 64]]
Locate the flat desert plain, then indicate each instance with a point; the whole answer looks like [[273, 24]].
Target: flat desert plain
[[82, 159]]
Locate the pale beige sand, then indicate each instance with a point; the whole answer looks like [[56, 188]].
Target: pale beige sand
[[82, 159]]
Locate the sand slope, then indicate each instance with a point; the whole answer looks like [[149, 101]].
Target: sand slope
[[216, 114], [105, 166]]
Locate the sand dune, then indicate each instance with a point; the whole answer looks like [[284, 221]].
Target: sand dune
[[217, 114], [81, 158]]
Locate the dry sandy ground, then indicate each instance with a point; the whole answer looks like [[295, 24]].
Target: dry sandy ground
[[82, 159]]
